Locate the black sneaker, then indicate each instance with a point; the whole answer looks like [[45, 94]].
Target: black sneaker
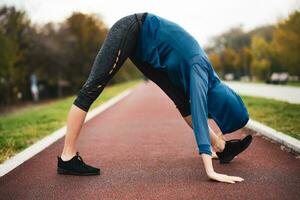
[[233, 148], [75, 166]]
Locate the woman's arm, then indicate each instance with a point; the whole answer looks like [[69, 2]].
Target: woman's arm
[[217, 141], [207, 161], [199, 111]]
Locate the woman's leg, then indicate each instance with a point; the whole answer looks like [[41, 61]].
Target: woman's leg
[[75, 120], [118, 45]]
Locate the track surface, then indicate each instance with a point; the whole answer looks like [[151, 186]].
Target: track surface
[[146, 151]]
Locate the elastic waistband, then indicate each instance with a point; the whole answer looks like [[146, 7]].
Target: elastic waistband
[[140, 17]]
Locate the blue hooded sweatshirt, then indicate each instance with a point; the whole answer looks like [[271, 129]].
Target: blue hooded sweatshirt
[[167, 46]]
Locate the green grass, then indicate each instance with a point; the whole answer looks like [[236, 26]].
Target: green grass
[[19, 130], [296, 84], [281, 116]]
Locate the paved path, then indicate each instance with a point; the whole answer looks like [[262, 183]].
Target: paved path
[[283, 93], [146, 151]]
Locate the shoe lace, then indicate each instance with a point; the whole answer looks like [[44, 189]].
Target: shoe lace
[[81, 160]]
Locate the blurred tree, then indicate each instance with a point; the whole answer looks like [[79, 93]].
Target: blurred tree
[[47, 56], [216, 62], [265, 32], [230, 61], [230, 47], [246, 58], [235, 38], [260, 64], [83, 35], [235, 52], [86, 34], [59, 54], [286, 43], [14, 42]]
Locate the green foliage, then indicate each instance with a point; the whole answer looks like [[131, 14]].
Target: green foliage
[[216, 61], [61, 55], [13, 49], [230, 48], [261, 51], [260, 64], [85, 34], [286, 43]]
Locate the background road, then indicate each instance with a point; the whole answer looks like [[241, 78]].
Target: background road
[[146, 151], [279, 92]]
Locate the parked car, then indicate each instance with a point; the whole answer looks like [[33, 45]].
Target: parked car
[[229, 77], [278, 78]]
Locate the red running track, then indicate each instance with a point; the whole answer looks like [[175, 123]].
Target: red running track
[[146, 151]]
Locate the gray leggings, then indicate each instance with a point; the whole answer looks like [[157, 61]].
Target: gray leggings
[[119, 45]]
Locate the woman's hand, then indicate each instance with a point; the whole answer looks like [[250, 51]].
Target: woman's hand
[[207, 161], [224, 178]]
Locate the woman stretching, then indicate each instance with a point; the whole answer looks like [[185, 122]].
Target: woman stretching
[[169, 56]]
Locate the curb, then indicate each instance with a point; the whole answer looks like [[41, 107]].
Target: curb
[[281, 138], [34, 149]]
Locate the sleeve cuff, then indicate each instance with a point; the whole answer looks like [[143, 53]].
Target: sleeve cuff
[[205, 149]]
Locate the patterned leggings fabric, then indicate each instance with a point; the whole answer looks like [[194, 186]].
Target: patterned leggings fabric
[[119, 45]]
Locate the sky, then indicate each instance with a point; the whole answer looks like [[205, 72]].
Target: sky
[[203, 19]]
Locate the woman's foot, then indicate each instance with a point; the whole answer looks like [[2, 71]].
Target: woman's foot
[[219, 144], [75, 166], [214, 155], [233, 148]]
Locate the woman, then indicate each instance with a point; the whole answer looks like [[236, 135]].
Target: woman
[[169, 56]]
